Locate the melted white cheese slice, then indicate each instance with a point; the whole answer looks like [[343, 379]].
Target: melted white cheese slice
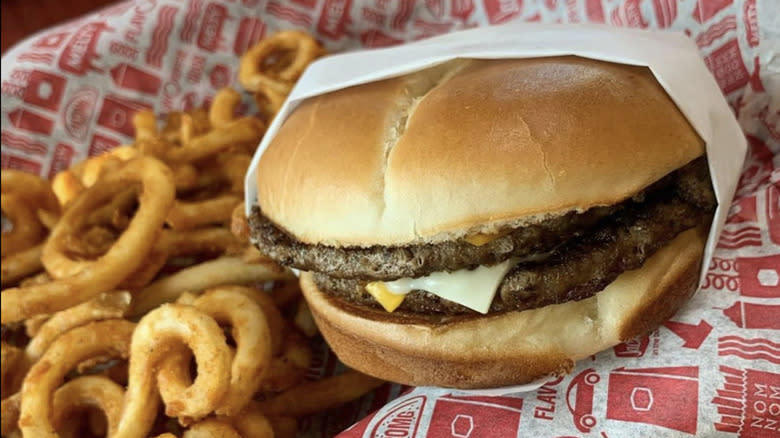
[[474, 288]]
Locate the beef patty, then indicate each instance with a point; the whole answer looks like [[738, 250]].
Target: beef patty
[[586, 251], [691, 183], [576, 270]]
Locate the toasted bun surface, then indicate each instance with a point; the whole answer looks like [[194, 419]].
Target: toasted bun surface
[[470, 146], [515, 347]]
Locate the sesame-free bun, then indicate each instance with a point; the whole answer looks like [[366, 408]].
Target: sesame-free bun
[[515, 347], [469, 146]]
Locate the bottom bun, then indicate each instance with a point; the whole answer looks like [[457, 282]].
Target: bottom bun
[[515, 347]]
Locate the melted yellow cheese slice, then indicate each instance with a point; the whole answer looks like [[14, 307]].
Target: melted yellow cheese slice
[[474, 288], [387, 299]]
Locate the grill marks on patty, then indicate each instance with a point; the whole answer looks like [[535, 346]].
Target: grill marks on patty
[[390, 263], [590, 250], [587, 265], [577, 270]]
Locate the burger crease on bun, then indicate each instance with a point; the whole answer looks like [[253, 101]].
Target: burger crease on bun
[[486, 223]]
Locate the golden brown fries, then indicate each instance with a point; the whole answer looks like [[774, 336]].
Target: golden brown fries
[[134, 265], [24, 199], [145, 124], [223, 108], [269, 101], [82, 280], [10, 358], [238, 223], [316, 396], [253, 424], [9, 415], [197, 278], [85, 392], [107, 338], [110, 305], [23, 264], [211, 428], [34, 189], [278, 61], [242, 133], [270, 68], [288, 368], [26, 230], [190, 215]]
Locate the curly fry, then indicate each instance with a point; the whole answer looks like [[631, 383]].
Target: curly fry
[[107, 306], [27, 231], [155, 147], [242, 132], [125, 256], [33, 324], [217, 272], [269, 101], [9, 414], [186, 215], [223, 108], [117, 211], [283, 427], [211, 428], [47, 218], [193, 124], [105, 338], [66, 186], [273, 317], [200, 241], [145, 124], [304, 320], [88, 392], [289, 368], [310, 397], [227, 169], [20, 265], [186, 177], [253, 424], [233, 168], [32, 187], [110, 305], [172, 243], [96, 167], [91, 244], [253, 345], [265, 63], [239, 226], [10, 358], [145, 274], [203, 180], [159, 333], [69, 183], [171, 131]]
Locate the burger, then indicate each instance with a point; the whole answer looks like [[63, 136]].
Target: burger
[[485, 223]]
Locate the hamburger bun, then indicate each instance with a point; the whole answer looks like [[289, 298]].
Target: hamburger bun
[[470, 146], [513, 347]]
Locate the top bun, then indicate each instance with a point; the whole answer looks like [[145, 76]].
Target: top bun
[[470, 146]]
